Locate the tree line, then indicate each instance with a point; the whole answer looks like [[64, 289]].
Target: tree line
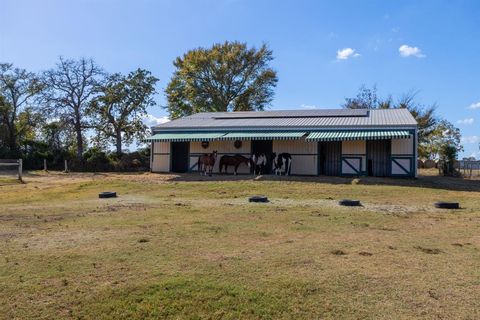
[[54, 112], [78, 111]]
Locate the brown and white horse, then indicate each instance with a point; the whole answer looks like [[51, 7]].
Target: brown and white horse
[[235, 161], [207, 162]]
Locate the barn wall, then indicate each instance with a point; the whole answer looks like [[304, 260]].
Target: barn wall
[[223, 148], [304, 155], [402, 146], [161, 157], [161, 147], [403, 157], [355, 148]]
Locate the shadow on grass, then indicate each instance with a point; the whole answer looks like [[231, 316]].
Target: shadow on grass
[[432, 182]]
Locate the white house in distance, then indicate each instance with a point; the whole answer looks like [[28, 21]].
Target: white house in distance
[[335, 142]]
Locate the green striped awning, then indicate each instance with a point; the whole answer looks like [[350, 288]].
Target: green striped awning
[[264, 135], [185, 136], [357, 135]]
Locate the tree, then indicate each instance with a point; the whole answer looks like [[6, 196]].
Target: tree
[[71, 86], [365, 99], [3, 124], [448, 154], [441, 139], [58, 135], [17, 90], [119, 109], [225, 77]]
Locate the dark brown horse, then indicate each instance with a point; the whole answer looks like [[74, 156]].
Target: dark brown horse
[[235, 161], [207, 162]]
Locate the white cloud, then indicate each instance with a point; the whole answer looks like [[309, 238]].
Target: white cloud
[[346, 53], [309, 106], [466, 121], [407, 51], [470, 139], [150, 120], [474, 106], [312, 107]]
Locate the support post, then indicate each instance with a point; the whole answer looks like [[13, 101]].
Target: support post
[[20, 170], [44, 164], [66, 166]]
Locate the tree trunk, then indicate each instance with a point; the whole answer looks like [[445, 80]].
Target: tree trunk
[[12, 142], [78, 131], [118, 139], [12, 139], [79, 143]]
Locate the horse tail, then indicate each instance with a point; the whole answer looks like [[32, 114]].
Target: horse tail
[[221, 163]]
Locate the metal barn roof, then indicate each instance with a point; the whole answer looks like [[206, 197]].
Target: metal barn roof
[[326, 135], [292, 119]]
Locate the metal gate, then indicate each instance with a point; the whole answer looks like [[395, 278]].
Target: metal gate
[[378, 157], [329, 158]]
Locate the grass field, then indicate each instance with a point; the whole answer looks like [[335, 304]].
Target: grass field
[[175, 247]]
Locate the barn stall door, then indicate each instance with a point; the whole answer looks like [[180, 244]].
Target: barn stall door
[[378, 157], [266, 147], [329, 158], [179, 156]]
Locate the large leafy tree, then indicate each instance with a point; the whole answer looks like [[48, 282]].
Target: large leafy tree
[[71, 86], [226, 77], [121, 106], [18, 89], [444, 136], [433, 132]]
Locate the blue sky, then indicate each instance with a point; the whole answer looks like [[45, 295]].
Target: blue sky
[[324, 50]]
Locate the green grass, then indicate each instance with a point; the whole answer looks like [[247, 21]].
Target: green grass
[[178, 248]]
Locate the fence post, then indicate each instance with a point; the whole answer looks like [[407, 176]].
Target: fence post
[[66, 166], [20, 169], [44, 164]]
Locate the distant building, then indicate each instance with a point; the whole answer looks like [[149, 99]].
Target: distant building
[[335, 142]]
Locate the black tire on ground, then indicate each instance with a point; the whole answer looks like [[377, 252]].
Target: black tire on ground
[[447, 205], [107, 194], [349, 203], [258, 199]]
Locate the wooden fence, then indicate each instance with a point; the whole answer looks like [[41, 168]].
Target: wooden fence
[[13, 163]]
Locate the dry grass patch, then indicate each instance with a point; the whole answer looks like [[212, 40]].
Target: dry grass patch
[[177, 247]]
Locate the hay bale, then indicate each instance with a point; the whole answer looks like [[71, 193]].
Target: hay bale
[[429, 164]]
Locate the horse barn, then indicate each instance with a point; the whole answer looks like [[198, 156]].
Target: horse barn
[[333, 142]]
